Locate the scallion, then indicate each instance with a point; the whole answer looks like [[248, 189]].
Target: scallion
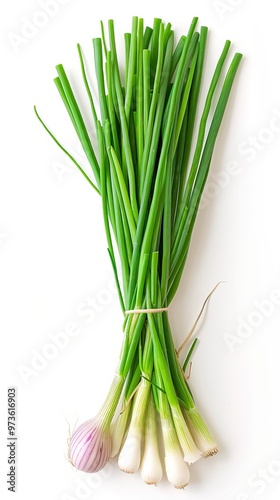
[[150, 183]]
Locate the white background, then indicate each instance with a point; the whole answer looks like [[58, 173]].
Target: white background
[[53, 257]]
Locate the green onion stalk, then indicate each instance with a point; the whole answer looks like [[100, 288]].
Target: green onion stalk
[[151, 164]]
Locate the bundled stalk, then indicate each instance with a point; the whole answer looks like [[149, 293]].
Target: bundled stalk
[[150, 185]]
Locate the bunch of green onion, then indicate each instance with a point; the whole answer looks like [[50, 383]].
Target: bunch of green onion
[[149, 170]]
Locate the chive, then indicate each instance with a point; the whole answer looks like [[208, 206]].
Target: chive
[[70, 102], [146, 89], [93, 110], [127, 41], [139, 103], [177, 54], [103, 38], [188, 357], [65, 151], [122, 191], [147, 37], [131, 67], [133, 380], [98, 59], [192, 111], [154, 47]]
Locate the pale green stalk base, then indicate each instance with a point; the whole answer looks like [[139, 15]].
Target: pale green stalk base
[[201, 435], [118, 429], [107, 411], [190, 450], [151, 468], [130, 454], [177, 470]]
